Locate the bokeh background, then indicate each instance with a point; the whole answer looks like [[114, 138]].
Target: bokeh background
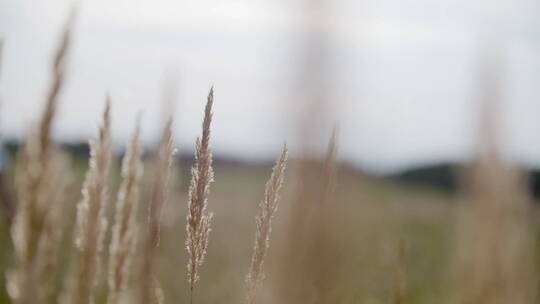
[[401, 76], [416, 90]]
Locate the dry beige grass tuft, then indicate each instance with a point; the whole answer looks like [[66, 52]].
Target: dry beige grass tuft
[[124, 231], [91, 224], [198, 221], [495, 262], [309, 251], [150, 287], [268, 208], [495, 259], [39, 188]]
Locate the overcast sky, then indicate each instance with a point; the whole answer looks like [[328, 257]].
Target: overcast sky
[[403, 72]]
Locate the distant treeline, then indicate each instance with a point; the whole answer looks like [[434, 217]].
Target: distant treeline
[[82, 151], [444, 176], [447, 177]]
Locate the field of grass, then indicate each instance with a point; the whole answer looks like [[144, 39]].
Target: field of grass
[[374, 215], [96, 230]]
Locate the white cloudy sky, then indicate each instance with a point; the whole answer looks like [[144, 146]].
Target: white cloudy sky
[[404, 72]]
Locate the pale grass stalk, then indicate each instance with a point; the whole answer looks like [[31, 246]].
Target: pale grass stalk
[[53, 232], [495, 244], [322, 250], [150, 289], [49, 246], [38, 195], [91, 223], [495, 258], [329, 169], [124, 231], [310, 251], [198, 220], [156, 296], [268, 208]]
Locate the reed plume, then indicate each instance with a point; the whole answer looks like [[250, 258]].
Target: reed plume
[[91, 224], [39, 192], [198, 221], [310, 252], [53, 228], [124, 231], [494, 261], [268, 208], [329, 174], [495, 245], [150, 289]]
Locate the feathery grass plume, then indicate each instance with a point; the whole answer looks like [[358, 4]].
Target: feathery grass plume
[[37, 196], [321, 249], [198, 221], [329, 168], [53, 232], [91, 223], [309, 255], [495, 260], [268, 206], [150, 290], [49, 246], [124, 231], [156, 295]]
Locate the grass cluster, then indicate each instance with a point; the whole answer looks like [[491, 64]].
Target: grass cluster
[[342, 237]]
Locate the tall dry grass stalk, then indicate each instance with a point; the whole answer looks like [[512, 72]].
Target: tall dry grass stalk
[[329, 169], [150, 287], [198, 220], [268, 208], [40, 186], [494, 261], [91, 223], [309, 255], [124, 231]]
